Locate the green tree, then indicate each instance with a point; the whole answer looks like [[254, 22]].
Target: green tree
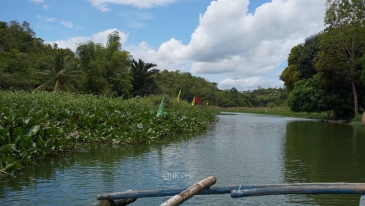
[[95, 82], [92, 59], [118, 76], [117, 65], [21, 54], [310, 95], [143, 83], [345, 38], [60, 74], [301, 62], [308, 55], [106, 67], [291, 74]]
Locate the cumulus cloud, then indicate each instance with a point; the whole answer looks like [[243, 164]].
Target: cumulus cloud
[[148, 54], [100, 37], [242, 46], [46, 19], [102, 4], [229, 45]]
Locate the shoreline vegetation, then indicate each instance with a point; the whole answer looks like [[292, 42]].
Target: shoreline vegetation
[[285, 112], [36, 125]]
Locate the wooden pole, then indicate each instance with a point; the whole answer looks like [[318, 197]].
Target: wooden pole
[[314, 189], [191, 191]]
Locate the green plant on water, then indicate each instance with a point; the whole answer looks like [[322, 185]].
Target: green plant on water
[[33, 126]]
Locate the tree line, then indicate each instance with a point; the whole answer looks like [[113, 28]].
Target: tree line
[[327, 71], [30, 64]]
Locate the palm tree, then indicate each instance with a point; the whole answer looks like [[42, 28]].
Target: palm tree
[[59, 74], [143, 83]]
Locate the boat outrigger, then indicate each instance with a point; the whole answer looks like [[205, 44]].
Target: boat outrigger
[[205, 187]]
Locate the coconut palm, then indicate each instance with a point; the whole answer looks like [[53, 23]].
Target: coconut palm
[[60, 74], [143, 83]]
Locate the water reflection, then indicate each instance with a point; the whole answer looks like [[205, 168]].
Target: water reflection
[[241, 148], [324, 152]]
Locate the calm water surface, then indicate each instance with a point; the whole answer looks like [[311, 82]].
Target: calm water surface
[[238, 149]]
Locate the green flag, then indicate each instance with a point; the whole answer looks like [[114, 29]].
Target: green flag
[[160, 109]]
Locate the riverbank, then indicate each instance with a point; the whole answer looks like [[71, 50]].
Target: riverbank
[[285, 112], [279, 111], [33, 126]]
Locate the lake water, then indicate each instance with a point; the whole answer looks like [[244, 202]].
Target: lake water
[[237, 149]]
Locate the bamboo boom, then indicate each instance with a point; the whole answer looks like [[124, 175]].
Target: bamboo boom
[[212, 190], [191, 191], [302, 189]]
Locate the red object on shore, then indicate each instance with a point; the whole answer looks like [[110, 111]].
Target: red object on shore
[[197, 100]]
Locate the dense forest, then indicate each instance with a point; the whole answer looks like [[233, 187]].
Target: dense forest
[[28, 64]]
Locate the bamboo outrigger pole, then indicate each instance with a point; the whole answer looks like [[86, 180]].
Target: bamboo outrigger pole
[[191, 191], [301, 189], [236, 191], [213, 190]]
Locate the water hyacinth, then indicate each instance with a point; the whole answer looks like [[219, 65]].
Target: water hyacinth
[[36, 125]]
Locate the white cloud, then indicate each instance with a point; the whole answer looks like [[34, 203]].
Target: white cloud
[[37, 1], [229, 46], [243, 47], [46, 19], [148, 54], [67, 24], [102, 4], [100, 37]]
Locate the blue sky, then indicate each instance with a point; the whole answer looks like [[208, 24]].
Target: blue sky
[[235, 43]]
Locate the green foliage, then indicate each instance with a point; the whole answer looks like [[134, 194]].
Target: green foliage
[[60, 74], [271, 104], [346, 39], [143, 83], [335, 54], [311, 96], [21, 54], [362, 62], [106, 67], [289, 76], [35, 125], [301, 62], [170, 83], [19, 37], [308, 55]]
